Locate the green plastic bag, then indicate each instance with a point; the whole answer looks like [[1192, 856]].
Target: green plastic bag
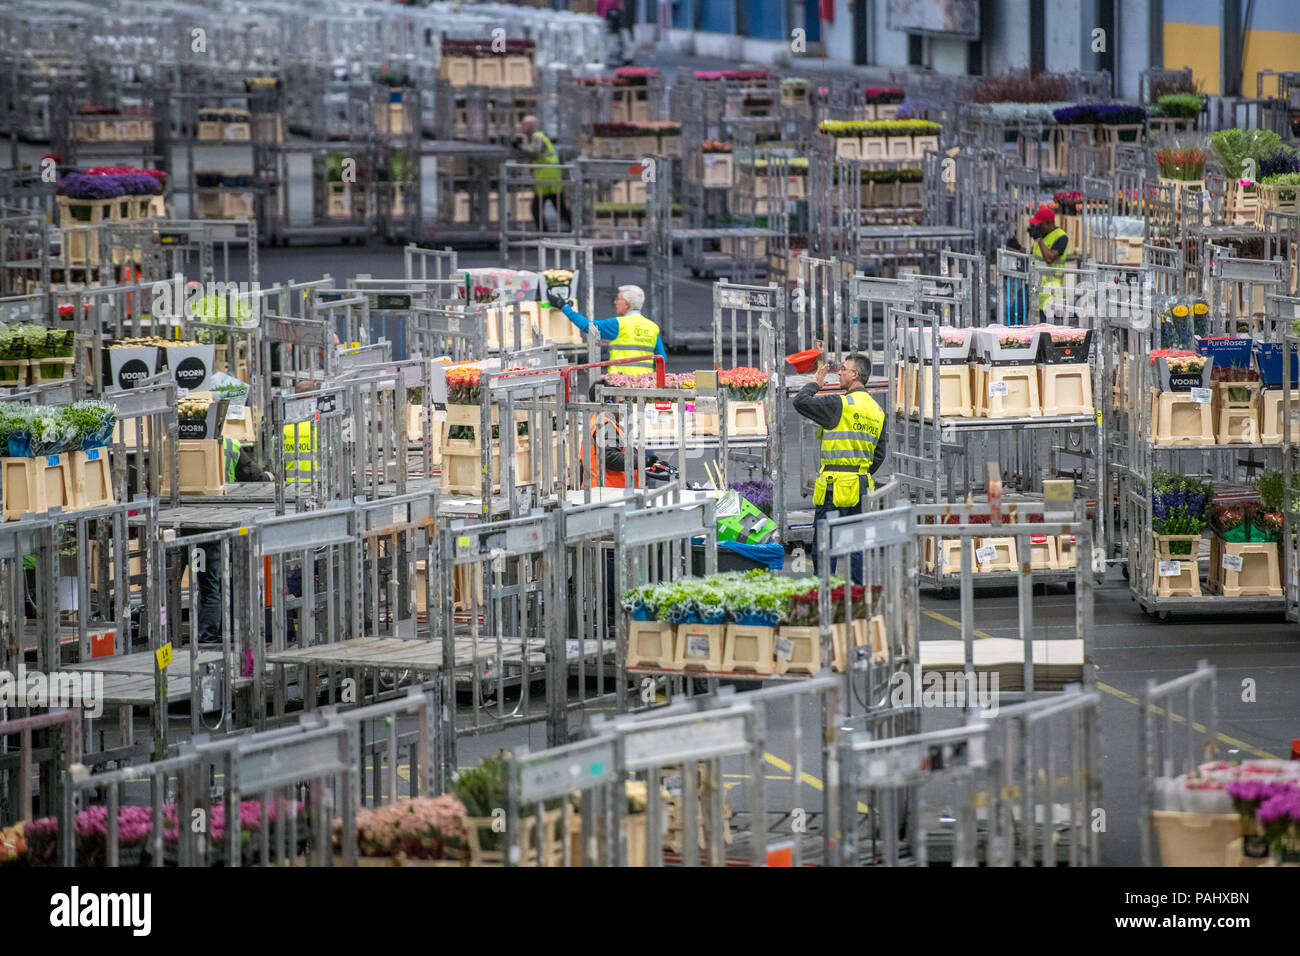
[[740, 520]]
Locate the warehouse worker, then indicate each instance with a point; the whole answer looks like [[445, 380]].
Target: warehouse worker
[[629, 333], [548, 182], [1049, 246], [851, 431], [615, 457], [300, 443], [240, 466]]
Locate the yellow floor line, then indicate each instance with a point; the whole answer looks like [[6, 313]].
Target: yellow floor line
[[807, 778], [1124, 696], [945, 619]]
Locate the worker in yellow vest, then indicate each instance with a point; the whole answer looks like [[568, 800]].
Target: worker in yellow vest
[[300, 443], [851, 430], [548, 182], [1049, 246], [629, 333]]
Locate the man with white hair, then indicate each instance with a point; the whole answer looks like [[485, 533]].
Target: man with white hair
[[629, 333]]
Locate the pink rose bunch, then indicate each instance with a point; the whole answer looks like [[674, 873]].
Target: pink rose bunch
[[424, 828], [745, 384]]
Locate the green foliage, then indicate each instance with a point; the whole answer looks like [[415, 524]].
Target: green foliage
[[1181, 105], [1270, 488], [1235, 146], [1281, 179]]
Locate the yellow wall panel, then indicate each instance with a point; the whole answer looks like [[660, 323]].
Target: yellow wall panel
[[1268, 50], [1190, 44]]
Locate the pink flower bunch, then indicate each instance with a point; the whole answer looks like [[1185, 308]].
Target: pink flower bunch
[[421, 827], [1065, 335], [1016, 339], [952, 337]]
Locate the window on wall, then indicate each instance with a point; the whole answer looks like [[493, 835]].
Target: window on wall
[[915, 49]]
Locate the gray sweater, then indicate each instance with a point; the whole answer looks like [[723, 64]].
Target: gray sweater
[[825, 410]]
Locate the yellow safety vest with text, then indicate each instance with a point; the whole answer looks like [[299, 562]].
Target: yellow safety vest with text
[[637, 337], [299, 451], [1053, 276], [848, 449]]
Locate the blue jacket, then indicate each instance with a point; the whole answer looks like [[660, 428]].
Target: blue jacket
[[606, 328]]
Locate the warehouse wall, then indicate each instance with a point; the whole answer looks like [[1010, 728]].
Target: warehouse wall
[[1191, 38], [1006, 44], [1133, 45]]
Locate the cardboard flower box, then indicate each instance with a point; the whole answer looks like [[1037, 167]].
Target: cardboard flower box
[[1180, 377], [1066, 346], [1004, 346]]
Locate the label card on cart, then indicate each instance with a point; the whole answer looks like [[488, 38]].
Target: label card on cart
[[1231, 562], [1169, 569], [997, 388], [697, 645], [784, 648], [1201, 396], [984, 555]]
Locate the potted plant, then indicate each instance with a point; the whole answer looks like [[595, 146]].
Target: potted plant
[[463, 386], [1076, 116], [744, 384], [1178, 507]]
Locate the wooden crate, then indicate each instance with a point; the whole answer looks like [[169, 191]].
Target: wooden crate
[[489, 71], [201, 462], [1178, 420], [1021, 399], [92, 478], [462, 468], [651, 644], [458, 70], [1236, 422], [35, 485], [718, 169], [518, 71], [1194, 839], [875, 147], [848, 147], [1043, 555], [1259, 574], [501, 325], [236, 205], [746, 419], [1003, 558], [1066, 551], [700, 646], [954, 391], [807, 655], [1187, 583], [748, 647], [1273, 425], [1067, 389]]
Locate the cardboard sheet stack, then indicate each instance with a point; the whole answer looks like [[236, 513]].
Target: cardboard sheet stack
[[1056, 662]]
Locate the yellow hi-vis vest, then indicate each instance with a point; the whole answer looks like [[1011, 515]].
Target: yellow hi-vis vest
[[637, 336], [299, 451], [1053, 277], [547, 182], [847, 450]]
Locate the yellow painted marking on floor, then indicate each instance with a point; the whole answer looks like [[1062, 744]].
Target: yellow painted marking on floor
[[1196, 726], [1123, 695], [945, 619], [807, 778]]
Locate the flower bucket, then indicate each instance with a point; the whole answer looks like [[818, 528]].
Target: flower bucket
[[1024, 351], [805, 361], [20, 446], [1058, 352], [1183, 381], [711, 617], [756, 619], [641, 613]]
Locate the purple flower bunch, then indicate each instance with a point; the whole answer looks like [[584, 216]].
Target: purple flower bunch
[[1117, 114], [758, 493], [1076, 115], [1281, 809], [84, 186], [138, 184]]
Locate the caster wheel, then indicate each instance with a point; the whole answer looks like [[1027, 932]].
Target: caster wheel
[[948, 594], [1124, 571], [1164, 617], [1069, 587], [695, 273]]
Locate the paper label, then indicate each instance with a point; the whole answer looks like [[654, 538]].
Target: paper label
[[984, 555], [1169, 569], [697, 645], [784, 648], [164, 656], [52, 460], [997, 389], [1231, 562], [1201, 396]]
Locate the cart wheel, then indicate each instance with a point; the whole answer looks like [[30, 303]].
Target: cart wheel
[[1124, 570], [1164, 617], [948, 594], [695, 272], [1069, 587]]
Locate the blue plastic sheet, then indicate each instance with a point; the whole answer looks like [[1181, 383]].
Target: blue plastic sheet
[[771, 554]]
